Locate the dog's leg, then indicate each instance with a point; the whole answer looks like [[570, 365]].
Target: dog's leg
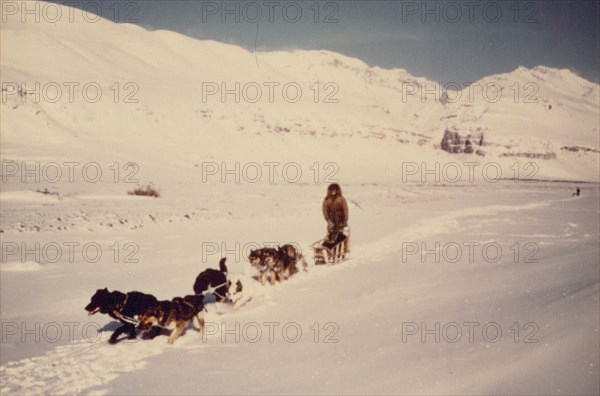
[[132, 332], [263, 277], [304, 264], [272, 278], [200, 319], [281, 275], [176, 332], [152, 333], [117, 333]]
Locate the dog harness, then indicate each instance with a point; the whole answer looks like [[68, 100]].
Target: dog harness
[[125, 318], [120, 307], [213, 290]]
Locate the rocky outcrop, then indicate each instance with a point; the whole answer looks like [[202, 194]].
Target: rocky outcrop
[[544, 156], [579, 148], [453, 143]]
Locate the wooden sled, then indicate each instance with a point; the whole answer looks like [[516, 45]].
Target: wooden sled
[[333, 248]]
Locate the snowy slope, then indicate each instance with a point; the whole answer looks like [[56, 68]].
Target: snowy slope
[[342, 103]]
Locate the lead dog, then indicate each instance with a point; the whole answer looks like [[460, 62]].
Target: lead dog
[[175, 314], [120, 306]]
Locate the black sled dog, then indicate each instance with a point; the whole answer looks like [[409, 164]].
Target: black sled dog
[[212, 281], [121, 306]]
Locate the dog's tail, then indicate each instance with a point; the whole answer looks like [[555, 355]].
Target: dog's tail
[[222, 265]]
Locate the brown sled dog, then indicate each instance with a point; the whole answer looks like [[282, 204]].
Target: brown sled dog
[[175, 314], [280, 263]]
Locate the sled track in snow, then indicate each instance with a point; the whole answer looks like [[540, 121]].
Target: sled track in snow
[[73, 368]]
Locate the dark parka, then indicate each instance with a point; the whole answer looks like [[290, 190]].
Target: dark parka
[[335, 208]]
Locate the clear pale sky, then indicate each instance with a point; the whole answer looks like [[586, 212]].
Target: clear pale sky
[[445, 41]]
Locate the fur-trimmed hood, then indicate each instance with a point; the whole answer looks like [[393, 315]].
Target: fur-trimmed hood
[[333, 187]]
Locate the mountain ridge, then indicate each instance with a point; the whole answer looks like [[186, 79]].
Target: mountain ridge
[[215, 93]]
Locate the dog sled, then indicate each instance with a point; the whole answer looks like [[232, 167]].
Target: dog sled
[[333, 248]]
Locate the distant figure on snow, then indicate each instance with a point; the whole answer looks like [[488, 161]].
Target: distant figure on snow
[[577, 192]]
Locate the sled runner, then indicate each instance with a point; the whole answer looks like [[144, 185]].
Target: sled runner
[[333, 248]]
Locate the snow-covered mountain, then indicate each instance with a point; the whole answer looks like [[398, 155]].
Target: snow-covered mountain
[[172, 100]]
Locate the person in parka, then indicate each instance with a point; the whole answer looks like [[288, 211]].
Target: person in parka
[[335, 209]]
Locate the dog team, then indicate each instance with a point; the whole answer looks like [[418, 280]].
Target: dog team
[[277, 264], [175, 315]]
